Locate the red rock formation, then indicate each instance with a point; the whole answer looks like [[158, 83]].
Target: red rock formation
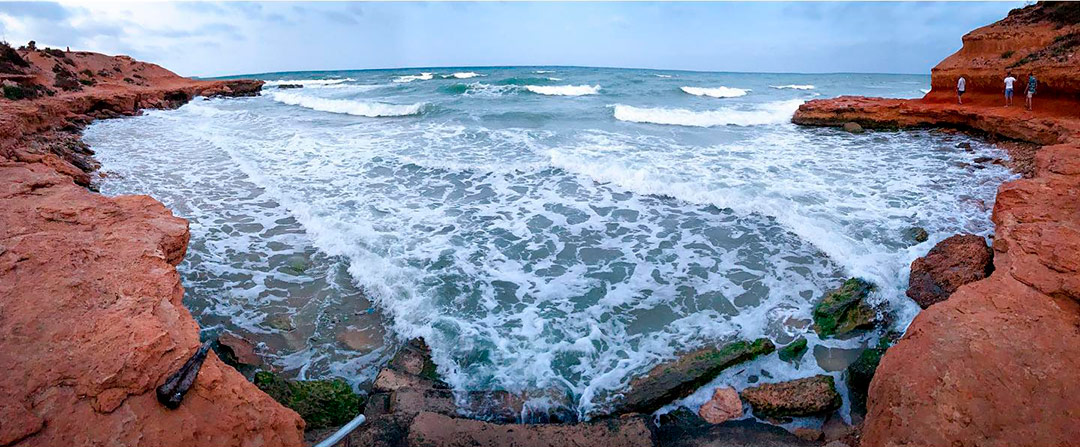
[[953, 262], [998, 363], [90, 301], [724, 405]]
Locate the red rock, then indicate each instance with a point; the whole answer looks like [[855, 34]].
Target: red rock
[[807, 434], [953, 262], [724, 405], [93, 319], [801, 397], [998, 363], [242, 351]]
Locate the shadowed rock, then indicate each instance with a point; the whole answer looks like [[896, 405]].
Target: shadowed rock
[[682, 376], [953, 262]]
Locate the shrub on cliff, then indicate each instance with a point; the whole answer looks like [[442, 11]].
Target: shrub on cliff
[[11, 62]]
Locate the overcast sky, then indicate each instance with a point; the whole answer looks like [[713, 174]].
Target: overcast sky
[[222, 38]]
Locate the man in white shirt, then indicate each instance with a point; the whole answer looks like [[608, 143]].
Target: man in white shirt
[[960, 86], [1009, 81]]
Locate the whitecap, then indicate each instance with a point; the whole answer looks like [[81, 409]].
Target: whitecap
[[307, 83], [768, 113], [564, 90], [662, 76], [794, 87], [716, 92], [410, 78], [462, 75], [349, 107]]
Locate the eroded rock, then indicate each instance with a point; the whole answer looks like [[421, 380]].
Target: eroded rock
[[845, 310], [678, 378], [953, 262], [802, 397], [724, 405]]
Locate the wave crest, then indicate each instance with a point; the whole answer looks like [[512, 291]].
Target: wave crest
[[793, 87], [410, 78], [564, 90], [348, 107], [768, 113], [716, 92]]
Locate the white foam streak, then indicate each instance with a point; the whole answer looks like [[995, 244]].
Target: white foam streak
[[346, 106], [793, 87], [462, 75], [768, 113], [716, 92], [410, 78], [564, 90]]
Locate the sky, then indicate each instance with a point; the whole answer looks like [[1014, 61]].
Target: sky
[[231, 38]]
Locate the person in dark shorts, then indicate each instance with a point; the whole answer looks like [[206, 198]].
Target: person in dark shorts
[[961, 85], [1031, 84]]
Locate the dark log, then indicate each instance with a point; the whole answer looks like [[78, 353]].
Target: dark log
[[171, 393]]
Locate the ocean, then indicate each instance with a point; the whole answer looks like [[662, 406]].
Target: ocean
[[548, 230]]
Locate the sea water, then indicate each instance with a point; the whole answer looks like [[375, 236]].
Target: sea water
[[543, 228]]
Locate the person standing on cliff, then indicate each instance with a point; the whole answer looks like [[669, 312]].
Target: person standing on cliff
[[1031, 84], [1009, 81], [961, 84]]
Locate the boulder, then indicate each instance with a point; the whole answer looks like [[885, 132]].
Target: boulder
[[237, 351], [859, 374], [916, 234], [438, 430], [322, 403], [793, 351], [853, 127], [953, 262], [802, 397], [724, 405], [681, 377], [807, 434], [682, 428], [835, 429], [845, 309]]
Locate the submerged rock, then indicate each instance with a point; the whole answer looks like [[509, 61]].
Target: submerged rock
[[845, 309], [724, 405], [682, 428], [859, 375], [682, 376], [853, 127], [321, 403], [802, 397], [953, 262], [288, 86], [793, 351], [916, 234]]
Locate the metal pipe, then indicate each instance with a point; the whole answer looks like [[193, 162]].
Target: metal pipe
[[342, 432]]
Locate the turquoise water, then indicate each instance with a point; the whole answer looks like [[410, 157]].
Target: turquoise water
[[545, 228]]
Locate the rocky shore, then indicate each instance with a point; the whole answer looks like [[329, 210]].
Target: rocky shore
[[92, 316], [993, 362]]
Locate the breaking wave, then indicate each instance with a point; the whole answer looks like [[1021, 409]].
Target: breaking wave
[[768, 113], [410, 78], [793, 87], [717, 92], [349, 107], [564, 90]]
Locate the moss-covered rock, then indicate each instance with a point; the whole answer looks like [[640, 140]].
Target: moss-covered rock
[[682, 376], [802, 397], [322, 403], [845, 309], [793, 351], [861, 372]]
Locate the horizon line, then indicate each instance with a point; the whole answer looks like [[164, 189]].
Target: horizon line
[[269, 73]]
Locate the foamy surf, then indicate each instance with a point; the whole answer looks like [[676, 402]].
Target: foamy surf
[[769, 113], [348, 107], [716, 92], [462, 75], [308, 83], [793, 87], [564, 90], [410, 78]]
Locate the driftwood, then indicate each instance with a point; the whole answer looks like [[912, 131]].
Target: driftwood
[[171, 393]]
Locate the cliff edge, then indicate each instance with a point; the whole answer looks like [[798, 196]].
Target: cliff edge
[[91, 305], [998, 362]]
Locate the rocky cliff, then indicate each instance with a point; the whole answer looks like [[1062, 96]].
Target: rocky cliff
[[91, 305], [998, 362], [1043, 39]]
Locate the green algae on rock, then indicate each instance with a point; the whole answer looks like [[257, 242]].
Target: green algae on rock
[[680, 377], [793, 351], [861, 372], [845, 309], [322, 403]]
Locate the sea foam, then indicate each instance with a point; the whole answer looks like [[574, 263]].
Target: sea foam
[[410, 78], [716, 92], [793, 87], [349, 107], [768, 113], [564, 90]]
